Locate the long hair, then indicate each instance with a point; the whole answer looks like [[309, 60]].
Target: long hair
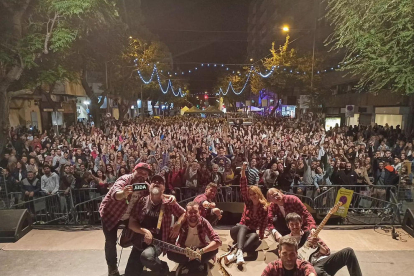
[[258, 192]]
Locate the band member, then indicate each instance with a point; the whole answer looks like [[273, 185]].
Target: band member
[[254, 216], [193, 234], [152, 218], [208, 208], [289, 264], [280, 206], [324, 262], [113, 211]]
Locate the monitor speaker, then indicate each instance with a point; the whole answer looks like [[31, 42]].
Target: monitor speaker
[[14, 224], [408, 222]]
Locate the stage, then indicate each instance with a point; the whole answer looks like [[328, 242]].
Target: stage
[[69, 252]]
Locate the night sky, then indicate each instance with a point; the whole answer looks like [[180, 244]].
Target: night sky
[[219, 36]]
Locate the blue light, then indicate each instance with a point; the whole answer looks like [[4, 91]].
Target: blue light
[[208, 64], [332, 68], [189, 71], [196, 68], [227, 69], [222, 65], [215, 65], [202, 64], [175, 74]]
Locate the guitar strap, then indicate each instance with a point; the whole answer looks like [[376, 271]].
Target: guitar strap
[[303, 239], [161, 215]]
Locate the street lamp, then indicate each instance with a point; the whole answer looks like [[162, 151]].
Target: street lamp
[[251, 59], [285, 28]]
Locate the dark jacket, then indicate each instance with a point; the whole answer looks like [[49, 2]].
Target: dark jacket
[[31, 186], [345, 177]]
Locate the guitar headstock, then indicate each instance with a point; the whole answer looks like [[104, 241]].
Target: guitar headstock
[[335, 208], [189, 253]]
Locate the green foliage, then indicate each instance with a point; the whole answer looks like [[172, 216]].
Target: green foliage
[[378, 36]]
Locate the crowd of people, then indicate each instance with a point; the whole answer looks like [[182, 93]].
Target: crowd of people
[[192, 158], [289, 154]]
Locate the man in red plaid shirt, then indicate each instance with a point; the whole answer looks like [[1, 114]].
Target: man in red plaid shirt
[[323, 261], [289, 264], [152, 218], [114, 211], [207, 208], [280, 206], [193, 234]]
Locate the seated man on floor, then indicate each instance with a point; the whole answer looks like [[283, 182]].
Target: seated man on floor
[[289, 264], [325, 263], [208, 208], [193, 234]]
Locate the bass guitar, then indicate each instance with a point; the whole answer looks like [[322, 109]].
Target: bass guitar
[[130, 238], [307, 251]]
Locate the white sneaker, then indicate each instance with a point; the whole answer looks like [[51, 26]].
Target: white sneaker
[[240, 259], [230, 258]]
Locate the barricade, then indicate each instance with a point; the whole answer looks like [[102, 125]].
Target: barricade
[[4, 198], [84, 194], [369, 204], [87, 212], [55, 208]]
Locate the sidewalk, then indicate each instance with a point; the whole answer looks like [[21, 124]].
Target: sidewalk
[[67, 253]]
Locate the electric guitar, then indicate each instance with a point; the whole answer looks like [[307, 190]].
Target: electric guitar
[[130, 238], [307, 251]]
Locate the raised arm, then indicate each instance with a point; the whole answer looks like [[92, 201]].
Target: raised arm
[[243, 184]]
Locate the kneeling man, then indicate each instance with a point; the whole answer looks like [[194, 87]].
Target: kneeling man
[[193, 234]]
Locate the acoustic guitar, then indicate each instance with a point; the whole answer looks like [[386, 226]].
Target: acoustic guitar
[[130, 238], [307, 251]]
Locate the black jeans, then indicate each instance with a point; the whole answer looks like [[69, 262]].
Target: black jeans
[[280, 225], [182, 259], [330, 265], [148, 258], [247, 239], [111, 237]]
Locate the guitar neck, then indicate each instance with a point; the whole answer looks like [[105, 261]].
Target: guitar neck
[[322, 224], [168, 246]]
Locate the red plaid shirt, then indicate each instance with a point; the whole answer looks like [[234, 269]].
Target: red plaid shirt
[[253, 221], [204, 229], [140, 209], [275, 268], [291, 204], [112, 210], [200, 199]]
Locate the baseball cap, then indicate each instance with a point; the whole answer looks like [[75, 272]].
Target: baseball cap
[[158, 179], [144, 166]]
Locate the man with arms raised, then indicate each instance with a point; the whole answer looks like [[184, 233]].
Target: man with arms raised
[[193, 234], [325, 263], [152, 218], [289, 264], [207, 208]]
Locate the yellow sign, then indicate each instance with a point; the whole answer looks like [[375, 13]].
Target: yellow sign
[[345, 196]]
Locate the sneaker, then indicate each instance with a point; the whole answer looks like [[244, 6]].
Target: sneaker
[[230, 258], [113, 271], [240, 259]]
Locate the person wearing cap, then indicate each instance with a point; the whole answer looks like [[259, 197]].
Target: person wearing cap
[[115, 209], [152, 218]]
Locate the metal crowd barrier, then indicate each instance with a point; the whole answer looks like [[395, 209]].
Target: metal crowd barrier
[[4, 198], [87, 212], [50, 208]]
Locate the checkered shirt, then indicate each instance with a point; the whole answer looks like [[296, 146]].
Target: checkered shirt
[[141, 208], [275, 268], [200, 199], [112, 210], [252, 221], [204, 230], [292, 204]]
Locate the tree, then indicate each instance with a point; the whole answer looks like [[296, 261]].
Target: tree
[[377, 37], [30, 31]]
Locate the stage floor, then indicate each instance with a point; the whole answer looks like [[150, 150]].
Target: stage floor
[[80, 252]]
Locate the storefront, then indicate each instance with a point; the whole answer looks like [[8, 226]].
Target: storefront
[[393, 116]]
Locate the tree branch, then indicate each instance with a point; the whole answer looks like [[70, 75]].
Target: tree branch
[[18, 93], [49, 33]]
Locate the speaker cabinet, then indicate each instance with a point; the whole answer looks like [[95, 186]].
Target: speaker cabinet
[[408, 222], [14, 224]]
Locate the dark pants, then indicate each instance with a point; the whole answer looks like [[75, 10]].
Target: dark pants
[[182, 259], [246, 239], [330, 265], [280, 225], [148, 258], [111, 236]]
